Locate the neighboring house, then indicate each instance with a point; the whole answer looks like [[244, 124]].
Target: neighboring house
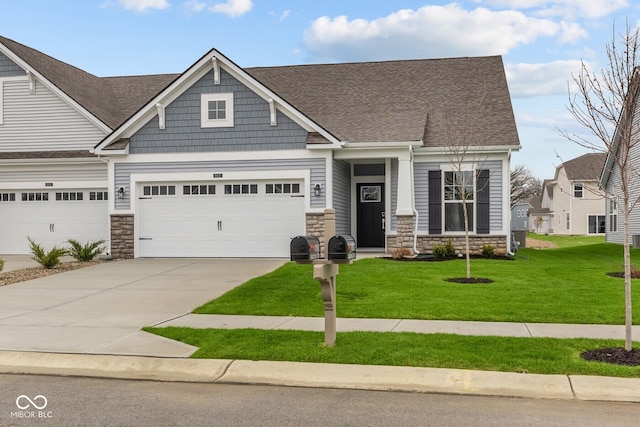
[[222, 161], [541, 213], [573, 203]]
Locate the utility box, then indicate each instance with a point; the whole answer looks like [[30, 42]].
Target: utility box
[[341, 248], [304, 249]]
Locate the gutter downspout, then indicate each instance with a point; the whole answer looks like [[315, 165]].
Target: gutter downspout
[[413, 204]]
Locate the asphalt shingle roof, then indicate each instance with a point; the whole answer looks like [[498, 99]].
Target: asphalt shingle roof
[[111, 100], [586, 167], [397, 101], [409, 100]]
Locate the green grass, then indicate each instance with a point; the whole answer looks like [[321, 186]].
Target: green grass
[[564, 285], [526, 355], [566, 241]]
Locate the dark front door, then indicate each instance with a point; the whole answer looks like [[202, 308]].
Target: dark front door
[[371, 220]]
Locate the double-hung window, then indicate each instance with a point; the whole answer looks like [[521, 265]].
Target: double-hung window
[[613, 215], [578, 191], [216, 110], [458, 191]]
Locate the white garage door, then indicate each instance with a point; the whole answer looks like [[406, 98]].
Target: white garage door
[[51, 218], [232, 219]]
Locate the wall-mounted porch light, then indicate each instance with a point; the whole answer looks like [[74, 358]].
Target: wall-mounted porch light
[[121, 193], [316, 189]]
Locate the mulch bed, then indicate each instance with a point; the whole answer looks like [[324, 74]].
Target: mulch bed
[[635, 274], [616, 355], [472, 280], [15, 276]]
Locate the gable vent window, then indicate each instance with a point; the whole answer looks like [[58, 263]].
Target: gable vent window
[[216, 110]]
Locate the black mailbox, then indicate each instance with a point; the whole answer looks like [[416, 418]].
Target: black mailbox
[[304, 249], [341, 248]]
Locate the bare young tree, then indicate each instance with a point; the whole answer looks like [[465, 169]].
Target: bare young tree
[[605, 103], [523, 185], [460, 182]]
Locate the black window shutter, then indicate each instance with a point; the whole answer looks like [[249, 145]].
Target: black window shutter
[[435, 202], [482, 201]]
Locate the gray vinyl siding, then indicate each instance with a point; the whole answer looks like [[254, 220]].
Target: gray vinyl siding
[[41, 121], [614, 190], [393, 193], [421, 187], [252, 130], [495, 193], [8, 68], [342, 196], [317, 169]]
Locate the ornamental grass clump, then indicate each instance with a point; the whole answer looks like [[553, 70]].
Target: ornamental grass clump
[[86, 252], [46, 259]]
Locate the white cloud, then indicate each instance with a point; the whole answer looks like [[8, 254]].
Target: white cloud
[[232, 8], [431, 31], [195, 6], [530, 80], [591, 9], [143, 5]]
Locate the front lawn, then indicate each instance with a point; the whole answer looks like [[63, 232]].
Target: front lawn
[[564, 285], [508, 354]]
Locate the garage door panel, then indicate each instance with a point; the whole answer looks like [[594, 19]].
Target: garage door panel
[[51, 222], [219, 225]]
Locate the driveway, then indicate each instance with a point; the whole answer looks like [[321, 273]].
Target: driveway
[[100, 309]]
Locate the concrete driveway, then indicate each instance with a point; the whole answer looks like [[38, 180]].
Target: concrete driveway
[[100, 309]]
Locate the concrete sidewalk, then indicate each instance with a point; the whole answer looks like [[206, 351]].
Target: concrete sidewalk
[[505, 329]]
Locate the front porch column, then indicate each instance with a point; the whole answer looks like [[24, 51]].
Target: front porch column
[[405, 187]]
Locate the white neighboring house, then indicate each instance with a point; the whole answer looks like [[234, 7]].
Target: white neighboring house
[[573, 203], [52, 186], [225, 161]]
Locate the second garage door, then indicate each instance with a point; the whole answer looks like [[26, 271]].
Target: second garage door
[[231, 219]]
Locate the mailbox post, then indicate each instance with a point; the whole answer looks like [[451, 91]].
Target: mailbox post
[[341, 250], [325, 272]]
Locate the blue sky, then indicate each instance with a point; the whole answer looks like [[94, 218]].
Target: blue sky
[[542, 42]]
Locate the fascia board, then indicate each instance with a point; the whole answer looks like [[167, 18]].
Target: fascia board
[[53, 88], [470, 150], [192, 75]]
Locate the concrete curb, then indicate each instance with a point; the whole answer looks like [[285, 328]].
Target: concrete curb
[[326, 375], [106, 366], [399, 378]]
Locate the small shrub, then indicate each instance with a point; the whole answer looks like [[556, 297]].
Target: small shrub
[[449, 249], [439, 251], [401, 253], [85, 252], [46, 259], [488, 251], [444, 250], [1, 264]]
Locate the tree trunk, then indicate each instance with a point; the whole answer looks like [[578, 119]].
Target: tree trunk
[[466, 237], [628, 342]]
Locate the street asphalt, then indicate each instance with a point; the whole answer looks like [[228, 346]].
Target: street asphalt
[[87, 322]]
